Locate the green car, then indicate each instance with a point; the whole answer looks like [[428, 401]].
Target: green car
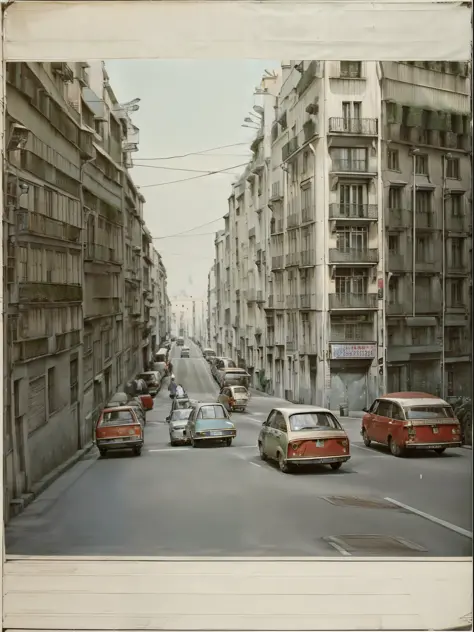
[[210, 422]]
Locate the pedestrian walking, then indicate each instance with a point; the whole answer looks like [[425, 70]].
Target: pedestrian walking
[[172, 388]]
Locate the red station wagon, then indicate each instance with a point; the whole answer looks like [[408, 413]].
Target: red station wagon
[[411, 421]]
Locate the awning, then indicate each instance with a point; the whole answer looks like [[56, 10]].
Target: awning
[[421, 321]]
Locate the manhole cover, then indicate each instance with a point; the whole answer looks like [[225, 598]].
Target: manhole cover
[[374, 544], [363, 503]]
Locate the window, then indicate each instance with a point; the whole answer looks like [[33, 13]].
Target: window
[[395, 198], [422, 249], [393, 244], [453, 168], [74, 379], [351, 200], [351, 69], [212, 412], [352, 239], [349, 281], [455, 205], [350, 110], [422, 335], [421, 165], [22, 263], [393, 286], [350, 159], [384, 409], [305, 161], [457, 247], [423, 201], [456, 294], [393, 160], [51, 390]]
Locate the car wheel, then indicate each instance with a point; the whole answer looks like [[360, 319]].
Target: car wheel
[[103, 453], [263, 456], [365, 438], [228, 442], [172, 443], [440, 450], [395, 449], [137, 451], [283, 464], [193, 443], [336, 466]]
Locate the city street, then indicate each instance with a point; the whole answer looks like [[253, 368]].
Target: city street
[[226, 501]]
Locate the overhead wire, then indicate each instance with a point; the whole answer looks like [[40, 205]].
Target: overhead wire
[[203, 175], [189, 230], [136, 164], [196, 153]]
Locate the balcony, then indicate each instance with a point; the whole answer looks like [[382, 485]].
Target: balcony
[[270, 302], [260, 296], [86, 146], [276, 192], [348, 165], [100, 253], [49, 293], [353, 211], [307, 77], [368, 256], [307, 301], [251, 296], [352, 333], [399, 218], [291, 344], [307, 347], [307, 215], [310, 130], [292, 259], [28, 349], [289, 149], [354, 126], [63, 70], [307, 258], [457, 224], [276, 226], [291, 301], [429, 266], [35, 223], [104, 307], [270, 339], [426, 220], [67, 341], [352, 301], [292, 221], [397, 262], [277, 263], [252, 233], [258, 258]]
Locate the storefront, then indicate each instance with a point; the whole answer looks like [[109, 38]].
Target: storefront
[[352, 377]]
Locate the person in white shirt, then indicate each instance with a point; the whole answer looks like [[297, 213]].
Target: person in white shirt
[[180, 391]]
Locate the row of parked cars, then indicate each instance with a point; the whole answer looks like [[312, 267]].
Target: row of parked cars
[[192, 422], [121, 425]]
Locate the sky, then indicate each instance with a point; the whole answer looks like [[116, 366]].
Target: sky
[[188, 106]]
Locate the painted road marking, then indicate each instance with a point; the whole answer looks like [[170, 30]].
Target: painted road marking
[[443, 523], [189, 448], [339, 548]]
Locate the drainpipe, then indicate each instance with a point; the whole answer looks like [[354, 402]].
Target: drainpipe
[[443, 276], [414, 153], [325, 272]]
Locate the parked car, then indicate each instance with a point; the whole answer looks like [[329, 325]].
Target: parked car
[[153, 381], [185, 352], [303, 436], [234, 398], [210, 422], [208, 354], [411, 421], [118, 398], [178, 421], [139, 409], [119, 429], [146, 400], [180, 341], [179, 403]]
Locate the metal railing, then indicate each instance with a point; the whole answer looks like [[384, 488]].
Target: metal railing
[[354, 255], [307, 301], [292, 221], [353, 211], [277, 262], [361, 301], [307, 258], [359, 126], [350, 165], [292, 259], [29, 221]]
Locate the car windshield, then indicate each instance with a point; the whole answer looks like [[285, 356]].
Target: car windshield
[[117, 418], [147, 377], [182, 403], [181, 414], [308, 421], [212, 412], [429, 412], [240, 390]]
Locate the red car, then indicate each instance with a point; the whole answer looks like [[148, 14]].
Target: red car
[[147, 401]]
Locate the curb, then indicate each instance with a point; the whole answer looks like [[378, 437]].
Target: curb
[[18, 505]]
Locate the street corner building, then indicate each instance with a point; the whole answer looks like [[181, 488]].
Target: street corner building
[[85, 291], [343, 269]]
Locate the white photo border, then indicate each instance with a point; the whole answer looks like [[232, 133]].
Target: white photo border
[[441, 595]]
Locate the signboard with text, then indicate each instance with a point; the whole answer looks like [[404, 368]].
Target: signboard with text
[[341, 352]]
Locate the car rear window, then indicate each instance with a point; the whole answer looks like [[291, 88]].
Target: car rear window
[[240, 389], [181, 414], [318, 421], [212, 412], [429, 412], [117, 418]]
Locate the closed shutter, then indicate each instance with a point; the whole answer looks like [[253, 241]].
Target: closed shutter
[[36, 403]]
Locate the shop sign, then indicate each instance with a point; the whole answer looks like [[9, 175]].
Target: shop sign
[[341, 352]]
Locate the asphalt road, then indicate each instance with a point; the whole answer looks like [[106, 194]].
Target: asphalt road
[[225, 501]]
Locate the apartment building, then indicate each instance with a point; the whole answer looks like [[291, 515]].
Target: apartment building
[[370, 172], [160, 311], [211, 322], [71, 339]]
